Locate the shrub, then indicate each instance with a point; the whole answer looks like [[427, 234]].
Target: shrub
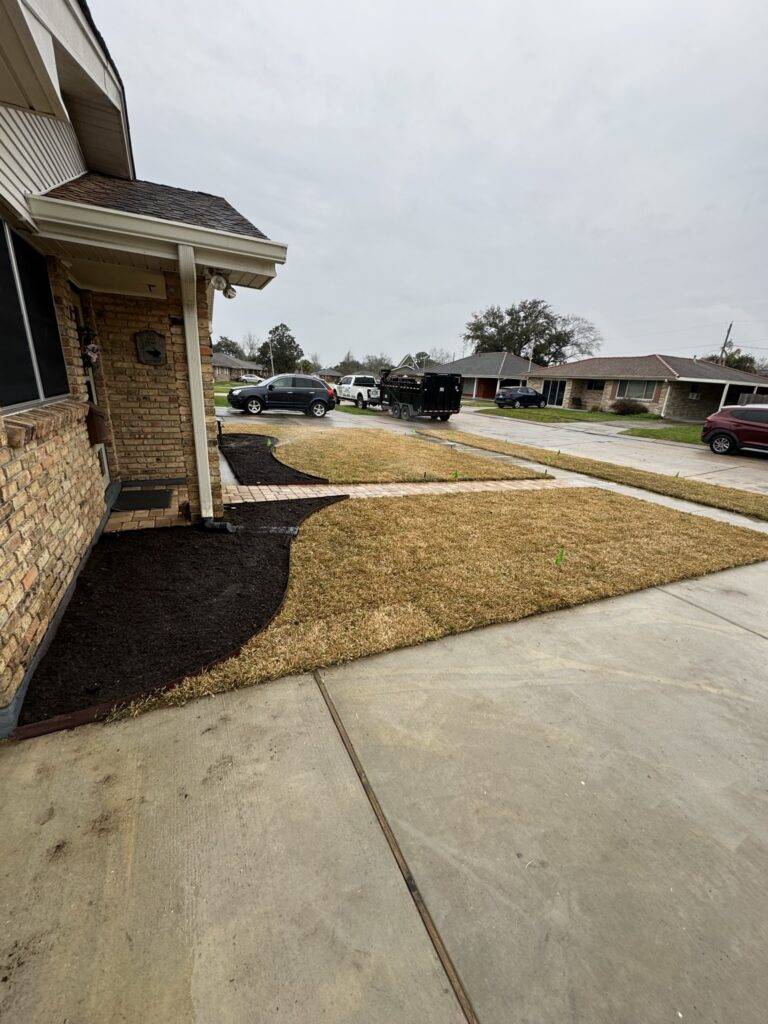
[[627, 407]]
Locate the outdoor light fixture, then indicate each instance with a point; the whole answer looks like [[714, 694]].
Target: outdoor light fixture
[[219, 282], [229, 291]]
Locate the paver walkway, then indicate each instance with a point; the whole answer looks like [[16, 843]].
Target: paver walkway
[[235, 494]]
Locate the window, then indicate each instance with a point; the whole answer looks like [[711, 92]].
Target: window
[[345, 380], [283, 382], [641, 389], [751, 415], [365, 382], [595, 385], [694, 392], [33, 367]]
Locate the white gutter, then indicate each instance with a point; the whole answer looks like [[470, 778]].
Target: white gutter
[[188, 276]]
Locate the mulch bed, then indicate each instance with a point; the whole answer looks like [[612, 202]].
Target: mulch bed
[[253, 462], [153, 606]]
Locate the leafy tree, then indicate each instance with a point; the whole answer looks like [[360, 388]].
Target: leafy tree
[[533, 330], [285, 350], [349, 364], [229, 347], [306, 366], [736, 358]]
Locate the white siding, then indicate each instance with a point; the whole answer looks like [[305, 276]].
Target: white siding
[[36, 154]]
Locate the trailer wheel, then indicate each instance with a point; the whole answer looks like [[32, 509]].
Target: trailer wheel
[[445, 416], [394, 410], [405, 412], [433, 416]]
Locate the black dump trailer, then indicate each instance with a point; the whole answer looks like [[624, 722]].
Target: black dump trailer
[[407, 395]]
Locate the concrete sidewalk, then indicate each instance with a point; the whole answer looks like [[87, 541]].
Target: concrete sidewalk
[[579, 796]]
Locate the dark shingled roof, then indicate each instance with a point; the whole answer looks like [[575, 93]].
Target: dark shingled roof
[[490, 364], [232, 362], [151, 200], [654, 367]]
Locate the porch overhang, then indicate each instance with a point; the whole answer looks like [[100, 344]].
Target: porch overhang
[[73, 230]]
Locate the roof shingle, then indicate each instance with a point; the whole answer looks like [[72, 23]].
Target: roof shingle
[[653, 367], [151, 200], [490, 364]]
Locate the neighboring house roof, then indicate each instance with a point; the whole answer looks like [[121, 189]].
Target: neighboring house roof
[[329, 371], [653, 367], [152, 200], [491, 364], [232, 362]]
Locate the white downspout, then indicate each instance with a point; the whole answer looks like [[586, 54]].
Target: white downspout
[[474, 389], [188, 277], [722, 397]]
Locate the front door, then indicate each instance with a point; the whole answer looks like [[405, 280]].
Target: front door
[[90, 386], [553, 391]]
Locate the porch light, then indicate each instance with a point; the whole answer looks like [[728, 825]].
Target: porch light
[[229, 292], [219, 282]]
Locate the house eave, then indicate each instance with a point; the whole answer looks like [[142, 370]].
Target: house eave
[[95, 227]]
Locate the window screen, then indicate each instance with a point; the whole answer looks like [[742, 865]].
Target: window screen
[[17, 376], [637, 389]]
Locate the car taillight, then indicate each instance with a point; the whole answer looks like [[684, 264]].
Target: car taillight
[[330, 392]]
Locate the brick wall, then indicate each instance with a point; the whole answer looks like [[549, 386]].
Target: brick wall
[[681, 406], [51, 502], [149, 406]]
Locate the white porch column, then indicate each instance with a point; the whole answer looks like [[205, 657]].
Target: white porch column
[[722, 397], [474, 389], [188, 277]]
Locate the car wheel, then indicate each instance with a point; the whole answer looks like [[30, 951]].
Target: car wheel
[[516, 404], [318, 409], [722, 444], [254, 406], [360, 402]]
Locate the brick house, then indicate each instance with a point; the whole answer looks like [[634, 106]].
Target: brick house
[[674, 387], [227, 367], [486, 372], [106, 295]]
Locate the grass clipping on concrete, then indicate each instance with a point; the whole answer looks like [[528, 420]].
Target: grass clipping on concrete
[[373, 575], [370, 456], [732, 499]]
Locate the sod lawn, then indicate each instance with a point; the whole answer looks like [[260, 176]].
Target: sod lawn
[[553, 414], [366, 456], [732, 499], [685, 433], [374, 575]]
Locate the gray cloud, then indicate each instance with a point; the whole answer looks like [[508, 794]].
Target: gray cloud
[[425, 159]]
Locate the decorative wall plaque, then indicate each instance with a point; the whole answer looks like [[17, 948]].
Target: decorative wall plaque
[[150, 348]]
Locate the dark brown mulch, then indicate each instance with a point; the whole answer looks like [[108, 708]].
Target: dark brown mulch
[[252, 461], [153, 606]]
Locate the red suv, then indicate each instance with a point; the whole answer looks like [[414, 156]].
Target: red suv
[[735, 427]]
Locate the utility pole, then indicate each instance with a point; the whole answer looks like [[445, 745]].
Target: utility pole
[[725, 343], [271, 357]]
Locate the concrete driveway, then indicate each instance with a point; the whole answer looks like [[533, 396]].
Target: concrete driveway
[[593, 440], [578, 799]]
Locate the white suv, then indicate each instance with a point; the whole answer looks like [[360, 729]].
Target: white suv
[[359, 388]]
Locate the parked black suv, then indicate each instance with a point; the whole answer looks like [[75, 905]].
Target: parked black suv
[[284, 391], [519, 398]]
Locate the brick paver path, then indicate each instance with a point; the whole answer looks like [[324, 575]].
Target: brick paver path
[[240, 493]]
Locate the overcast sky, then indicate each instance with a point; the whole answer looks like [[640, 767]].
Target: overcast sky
[[423, 160]]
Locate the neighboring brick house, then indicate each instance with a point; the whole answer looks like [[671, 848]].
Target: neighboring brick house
[[106, 295], [486, 372], [672, 386], [227, 367]]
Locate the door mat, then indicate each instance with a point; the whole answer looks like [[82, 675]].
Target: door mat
[[133, 501]]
